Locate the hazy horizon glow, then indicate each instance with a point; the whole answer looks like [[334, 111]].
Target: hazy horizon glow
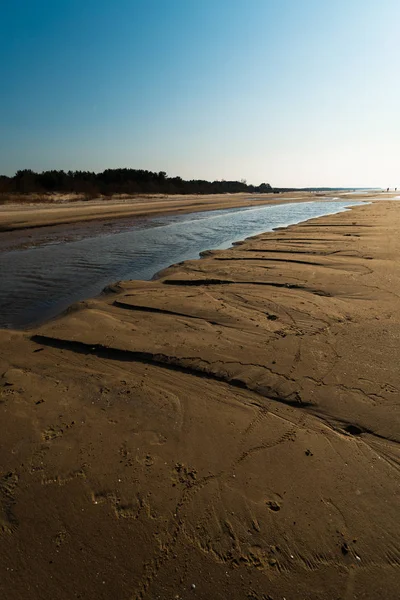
[[291, 93]]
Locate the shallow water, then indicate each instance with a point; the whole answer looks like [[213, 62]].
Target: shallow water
[[39, 283]]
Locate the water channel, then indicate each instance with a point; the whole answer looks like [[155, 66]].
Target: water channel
[[40, 282]]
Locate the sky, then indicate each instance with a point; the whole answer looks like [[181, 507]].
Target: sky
[[288, 92]]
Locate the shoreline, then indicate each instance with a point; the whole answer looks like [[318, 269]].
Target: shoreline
[[59, 256], [236, 420], [27, 225], [15, 217], [249, 238]]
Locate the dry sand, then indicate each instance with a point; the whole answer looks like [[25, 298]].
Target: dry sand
[[230, 431]]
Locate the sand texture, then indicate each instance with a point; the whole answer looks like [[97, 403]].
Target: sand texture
[[228, 431]]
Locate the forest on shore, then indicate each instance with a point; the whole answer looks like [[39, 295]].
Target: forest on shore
[[126, 181], [118, 181]]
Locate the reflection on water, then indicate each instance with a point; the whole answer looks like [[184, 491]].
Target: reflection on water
[[39, 283]]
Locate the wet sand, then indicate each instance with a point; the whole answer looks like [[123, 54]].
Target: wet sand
[[230, 430]]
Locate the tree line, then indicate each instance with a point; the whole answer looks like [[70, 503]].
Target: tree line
[[119, 181]]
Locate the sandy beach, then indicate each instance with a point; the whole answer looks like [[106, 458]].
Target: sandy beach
[[229, 430]]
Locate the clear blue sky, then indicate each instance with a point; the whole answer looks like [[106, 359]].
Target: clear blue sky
[[291, 92]]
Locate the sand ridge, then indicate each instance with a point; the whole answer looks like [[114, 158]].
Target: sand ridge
[[233, 426]]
